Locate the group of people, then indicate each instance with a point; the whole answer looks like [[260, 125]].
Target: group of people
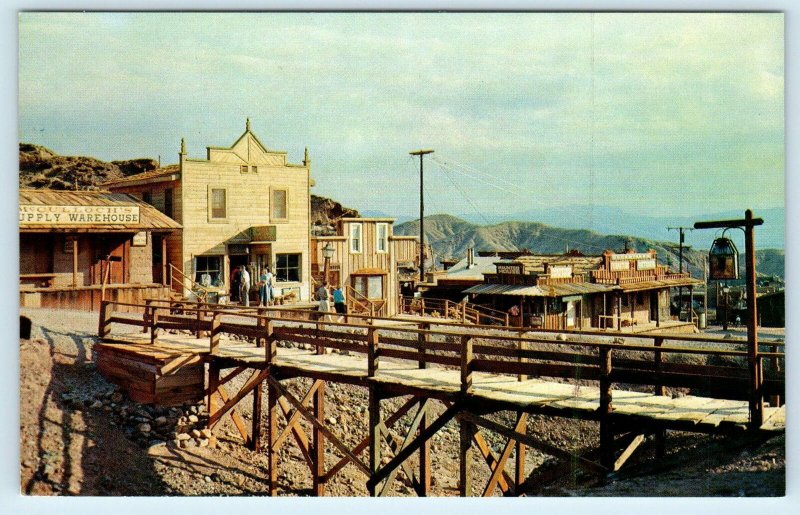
[[241, 282], [325, 295]]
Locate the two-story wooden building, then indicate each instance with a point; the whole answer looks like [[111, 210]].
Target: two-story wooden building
[[240, 205], [368, 261]]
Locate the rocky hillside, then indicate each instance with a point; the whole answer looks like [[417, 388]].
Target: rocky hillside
[[450, 238], [40, 167]]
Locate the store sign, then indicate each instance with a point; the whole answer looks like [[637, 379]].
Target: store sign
[[646, 264], [631, 256], [509, 269], [619, 266], [139, 239], [78, 215], [560, 271]]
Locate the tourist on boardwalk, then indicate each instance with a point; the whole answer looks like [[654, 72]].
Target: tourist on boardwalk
[[339, 303], [322, 296], [235, 283], [244, 288], [265, 288]]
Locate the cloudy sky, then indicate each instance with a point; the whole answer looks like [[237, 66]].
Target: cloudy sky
[[653, 113]]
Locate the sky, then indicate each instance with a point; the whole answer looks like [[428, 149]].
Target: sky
[[653, 113]]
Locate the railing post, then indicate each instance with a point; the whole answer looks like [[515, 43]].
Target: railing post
[[146, 316], [198, 332], [775, 400], [466, 363], [215, 333], [606, 429], [464, 312], [659, 388], [270, 344], [153, 325], [103, 330], [422, 343], [373, 351]]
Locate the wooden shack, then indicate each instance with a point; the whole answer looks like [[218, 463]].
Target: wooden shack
[[78, 247]]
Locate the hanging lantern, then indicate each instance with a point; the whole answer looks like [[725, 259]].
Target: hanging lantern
[[723, 260]]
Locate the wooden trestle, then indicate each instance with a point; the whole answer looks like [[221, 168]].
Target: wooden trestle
[[472, 372]]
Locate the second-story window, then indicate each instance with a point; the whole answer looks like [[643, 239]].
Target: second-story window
[[218, 201], [279, 205], [382, 237], [356, 240]]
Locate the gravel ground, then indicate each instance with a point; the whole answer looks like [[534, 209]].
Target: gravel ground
[[79, 436]]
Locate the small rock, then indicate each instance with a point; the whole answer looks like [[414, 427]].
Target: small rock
[[144, 427], [96, 404], [207, 479], [331, 420], [203, 442], [206, 432], [196, 433], [193, 419], [116, 397], [213, 443], [161, 421], [561, 337], [183, 437]]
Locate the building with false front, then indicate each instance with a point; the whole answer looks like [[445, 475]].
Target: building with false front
[[78, 247], [240, 205], [573, 291], [368, 261]]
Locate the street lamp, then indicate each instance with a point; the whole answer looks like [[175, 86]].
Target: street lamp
[[725, 292], [327, 254]]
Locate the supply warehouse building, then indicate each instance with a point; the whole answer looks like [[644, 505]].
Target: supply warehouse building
[[240, 205], [77, 247]]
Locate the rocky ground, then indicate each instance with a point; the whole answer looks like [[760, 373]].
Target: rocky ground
[[80, 436]]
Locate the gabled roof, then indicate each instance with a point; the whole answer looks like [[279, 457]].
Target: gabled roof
[[461, 272], [145, 177], [150, 219]]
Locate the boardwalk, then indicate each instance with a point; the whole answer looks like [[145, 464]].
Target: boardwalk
[[473, 373]]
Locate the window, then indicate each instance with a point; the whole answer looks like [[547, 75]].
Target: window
[[208, 270], [218, 204], [147, 197], [243, 169], [370, 286], [355, 238], [287, 267], [254, 169], [382, 237], [168, 202], [280, 209]]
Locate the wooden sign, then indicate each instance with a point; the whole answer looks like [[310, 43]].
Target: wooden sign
[[646, 264], [561, 271], [509, 269], [139, 239], [78, 215], [619, 266]]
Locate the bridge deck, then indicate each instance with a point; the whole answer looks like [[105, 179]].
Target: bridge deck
[[533, 395]]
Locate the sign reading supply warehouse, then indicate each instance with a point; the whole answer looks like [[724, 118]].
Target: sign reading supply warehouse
[[78, 215]]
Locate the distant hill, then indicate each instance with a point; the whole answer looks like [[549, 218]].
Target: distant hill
[[450, 237]]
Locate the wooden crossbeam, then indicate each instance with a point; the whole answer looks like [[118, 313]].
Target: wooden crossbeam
[[491, 459], [628, 451], [363, 444], [293, 416], [255, 380], [297, 432], [588, 465], [411, 431], [395, 443], [424, 436], [498, 471], [238, 421], [318, 424]]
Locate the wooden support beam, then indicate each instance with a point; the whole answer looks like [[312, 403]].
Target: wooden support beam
[[658, 342], [499, 468], [466, 363], [411, 432], [604, 412], [318, 424], [256, 430], [238, 421], [424, 455], [297, 431], [519, 457], [491, 460], [381, 474], [373, 352], [466, 433], [629, 450], [293, 416], [318, 454], [375, 444], [272, 430], [213, 386], [546, 448], [104, 328], [395, 444], [257, 377]]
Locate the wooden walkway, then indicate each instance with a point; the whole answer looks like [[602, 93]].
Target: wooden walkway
[[473, 373]]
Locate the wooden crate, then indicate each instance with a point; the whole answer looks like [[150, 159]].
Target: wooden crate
[[150, 375]]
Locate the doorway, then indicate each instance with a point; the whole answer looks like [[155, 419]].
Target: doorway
[[235, 262]]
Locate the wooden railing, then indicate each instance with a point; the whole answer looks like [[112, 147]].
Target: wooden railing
[[359, 303], [656, 366], [461, 311], [200, 291], [635, 276]]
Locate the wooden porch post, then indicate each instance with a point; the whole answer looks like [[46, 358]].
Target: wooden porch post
[[467, 431], [318, 454], [375, 439], [256, 431], [619, 310], [75, 261], [164, 278], [272, 434]]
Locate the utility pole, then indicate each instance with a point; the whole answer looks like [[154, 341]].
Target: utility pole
[[680, 264], [421, 153]]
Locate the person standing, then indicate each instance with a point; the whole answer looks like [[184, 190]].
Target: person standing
[[265, 289], [322, 297], [235, 284], [244, 289], [339, 303]]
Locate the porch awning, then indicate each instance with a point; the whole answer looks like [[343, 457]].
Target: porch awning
[[554, 290], [663, 283]]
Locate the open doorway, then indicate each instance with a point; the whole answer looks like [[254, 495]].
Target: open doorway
[[236, 261]]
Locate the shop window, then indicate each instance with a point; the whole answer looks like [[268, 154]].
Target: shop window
[[280, 207], [370, 286], [382, 237], [218, 208], [168, 202], [356, 231], [287, 267], [208, 270]]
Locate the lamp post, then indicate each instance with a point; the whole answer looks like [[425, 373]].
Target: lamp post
[[725, 292], [327, 254]]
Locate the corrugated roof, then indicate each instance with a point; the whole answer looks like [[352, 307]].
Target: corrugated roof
[[482, 265], [144, 176], [149, 217], [555, 290]]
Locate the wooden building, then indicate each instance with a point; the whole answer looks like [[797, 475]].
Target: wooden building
[[574, 291], [240, 205], [77, 247], [368, 261]]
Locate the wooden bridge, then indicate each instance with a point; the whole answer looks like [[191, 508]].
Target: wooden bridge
[[474, 372]]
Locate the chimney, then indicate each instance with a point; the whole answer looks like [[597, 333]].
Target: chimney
[[470, 257]]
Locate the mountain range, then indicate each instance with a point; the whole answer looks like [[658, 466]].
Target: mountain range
[[450, 237]]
